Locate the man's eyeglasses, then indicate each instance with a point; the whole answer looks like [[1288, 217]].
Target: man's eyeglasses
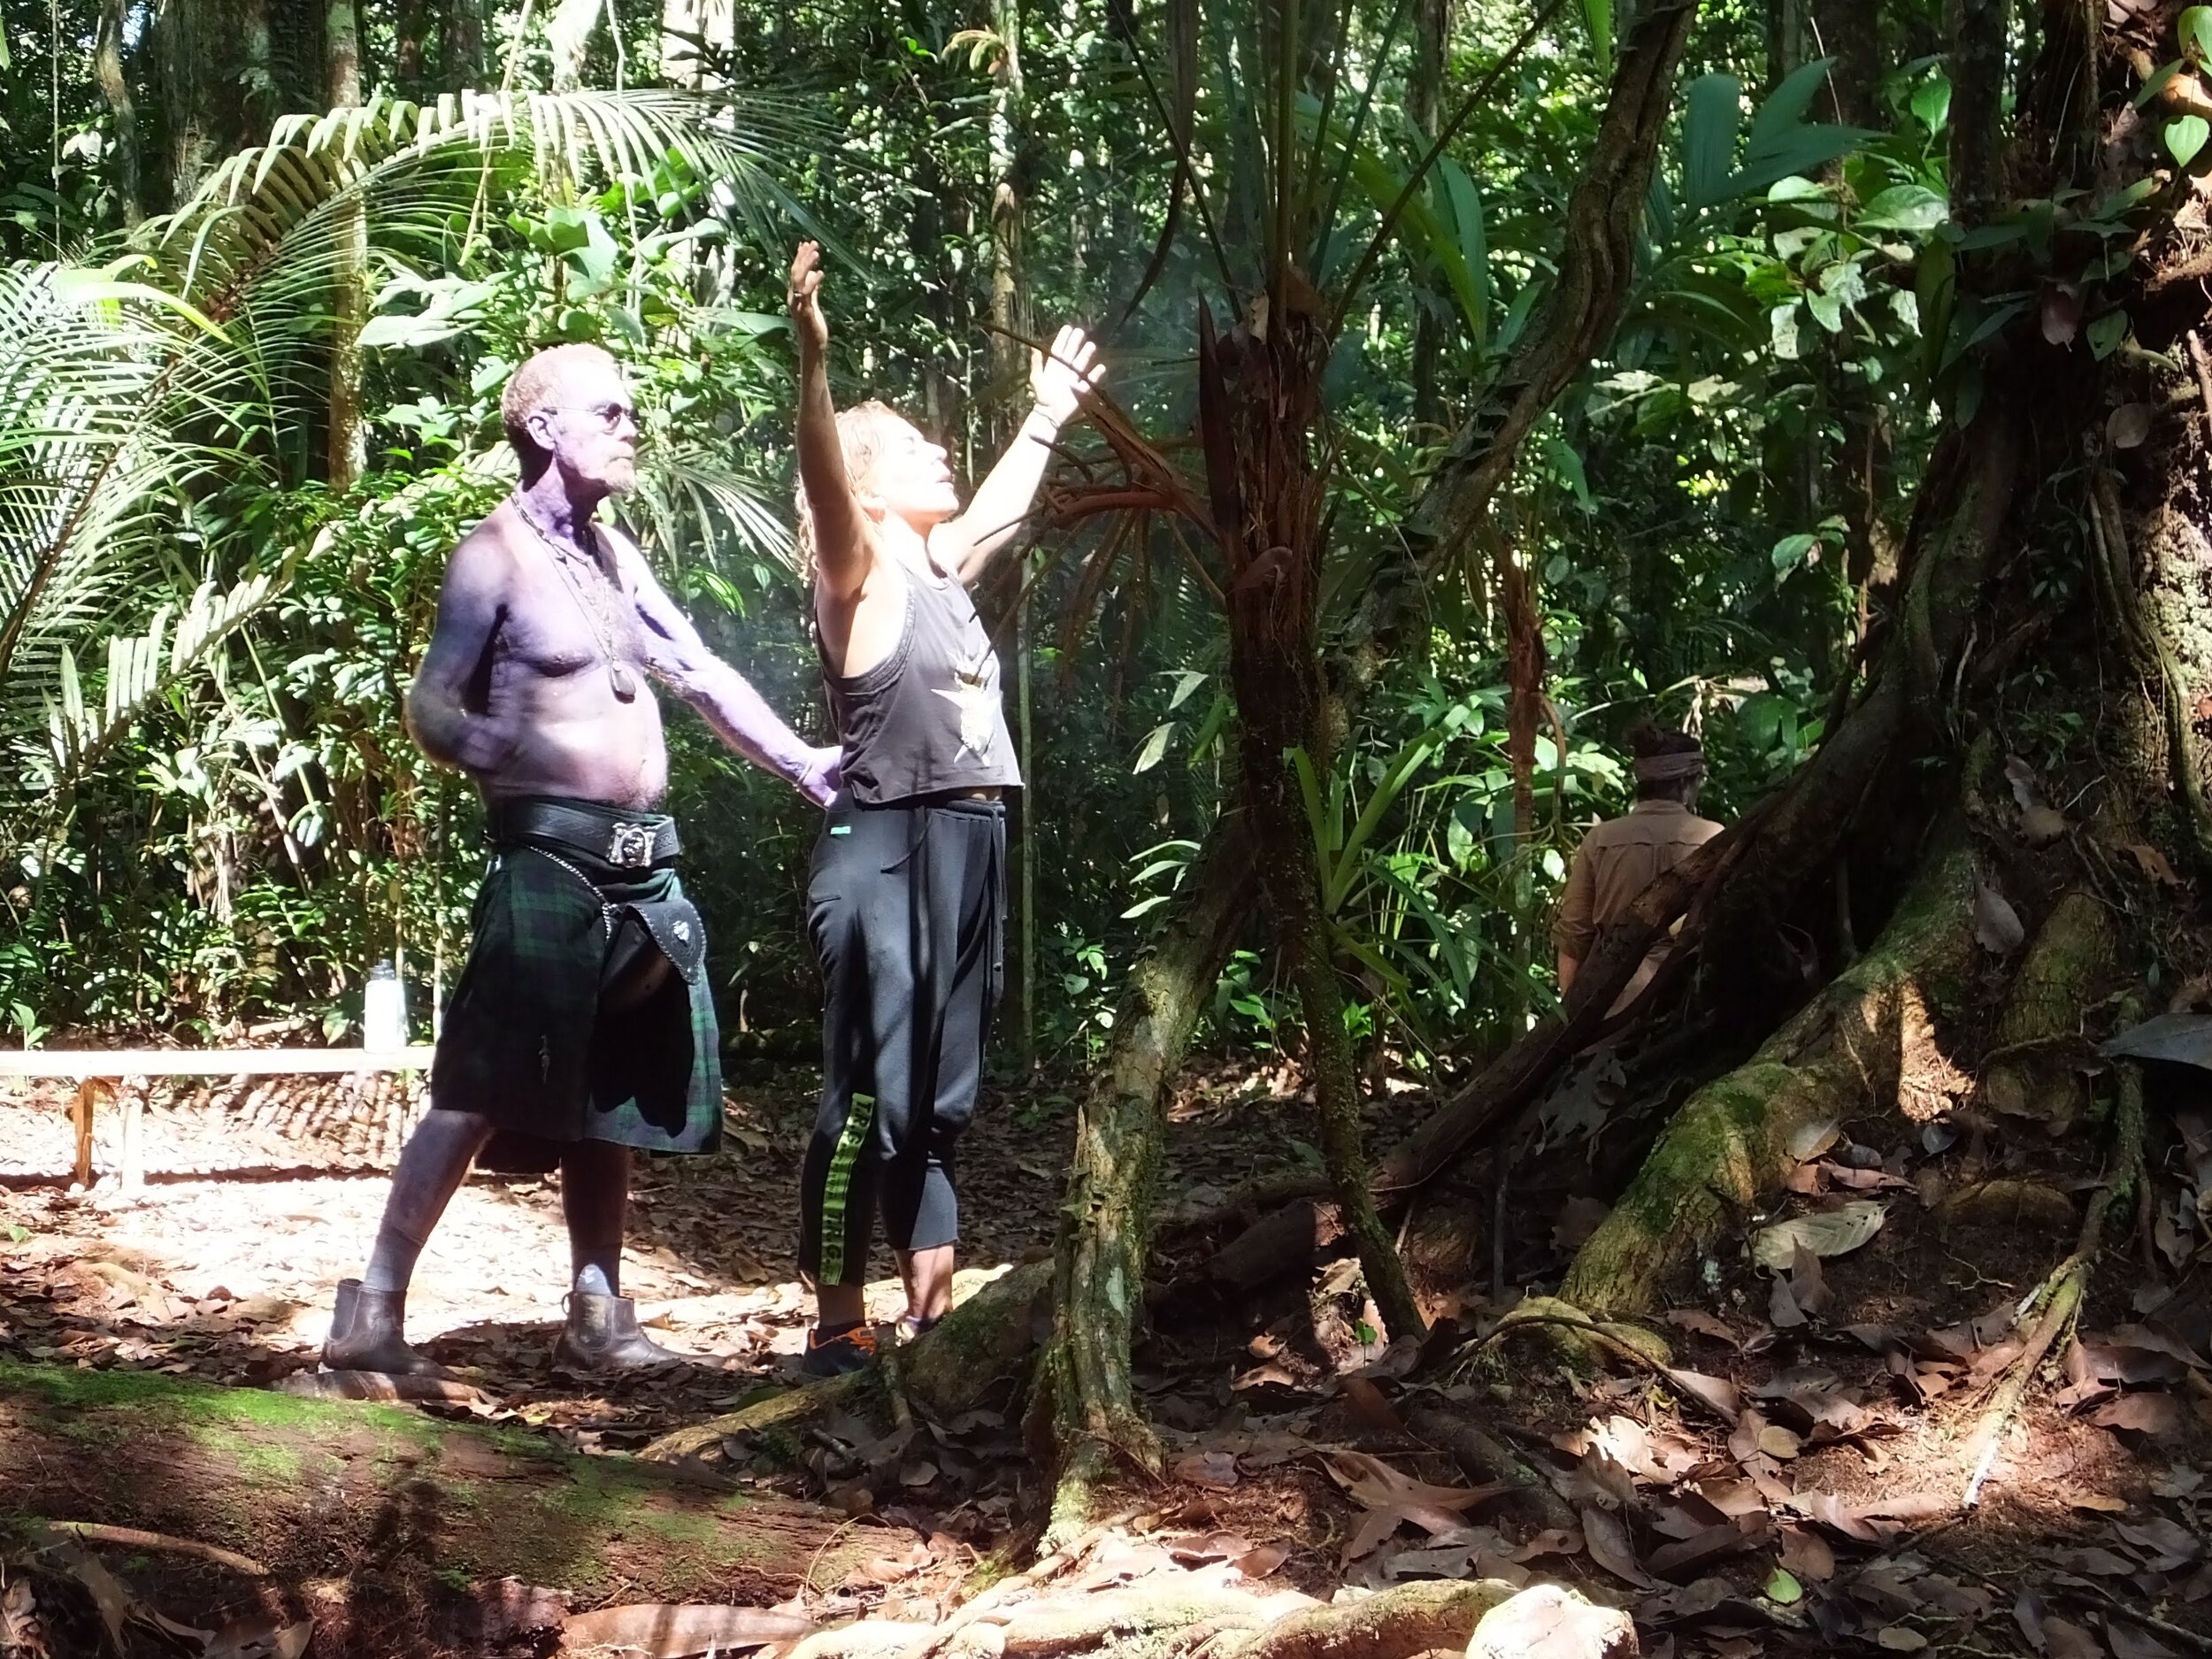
[[609, 416]]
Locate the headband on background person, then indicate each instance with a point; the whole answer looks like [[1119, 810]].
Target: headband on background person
[[1670, 768]]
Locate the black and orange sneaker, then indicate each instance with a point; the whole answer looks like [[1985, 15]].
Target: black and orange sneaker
[[839, 1350]]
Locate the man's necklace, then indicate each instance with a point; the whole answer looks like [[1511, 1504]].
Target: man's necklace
[[592, 606]]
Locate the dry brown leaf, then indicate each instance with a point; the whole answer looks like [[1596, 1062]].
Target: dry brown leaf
[[2128, 1642], [1836, 1232], [1807, 1553], [1606, 1537], [2065, 1640], [1217, 1470], [1393, 1499], [1692, 1556], [1900, 1638], [1717, 1394], [1702, 1323], [1370, 1407], [1776, 1441], [2127, 426], [2157, 1416]]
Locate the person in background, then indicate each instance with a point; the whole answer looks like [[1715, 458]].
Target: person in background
[[906, 906], [1620, 858]]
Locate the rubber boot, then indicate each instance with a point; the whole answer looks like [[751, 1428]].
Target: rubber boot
[[602, 1334], [366, 1328]]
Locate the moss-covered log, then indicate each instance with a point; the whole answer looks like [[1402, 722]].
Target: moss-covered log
[[1876, 1029], [385, 1496]]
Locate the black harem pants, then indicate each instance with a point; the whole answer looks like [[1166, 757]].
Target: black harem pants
[[906, 908]]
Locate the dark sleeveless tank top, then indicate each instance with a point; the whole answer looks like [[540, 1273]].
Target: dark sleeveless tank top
[[929, 718]]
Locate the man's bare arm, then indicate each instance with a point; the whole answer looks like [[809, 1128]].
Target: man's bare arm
[[843, 548], [679, 659], [965, 546], [456, 673]]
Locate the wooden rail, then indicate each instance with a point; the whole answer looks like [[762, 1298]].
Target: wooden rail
[[100, 1070]]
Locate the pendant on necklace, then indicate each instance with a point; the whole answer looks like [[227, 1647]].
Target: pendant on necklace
[[624, 681]]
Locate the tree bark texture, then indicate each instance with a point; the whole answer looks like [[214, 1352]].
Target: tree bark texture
[[1977, 30], [1107, 1214], [1605, 219], [1258, 400], [347, 455], [115, 87]]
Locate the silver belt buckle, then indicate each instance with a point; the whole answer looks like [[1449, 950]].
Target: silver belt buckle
[[630, 847]]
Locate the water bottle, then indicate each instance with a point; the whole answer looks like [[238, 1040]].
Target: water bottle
[[384, 1009]]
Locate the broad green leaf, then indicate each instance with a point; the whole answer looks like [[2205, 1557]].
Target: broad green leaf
[[1708, 137], [1908, 207], [1186, 683], [2105, 333], [1598, 14], [2184, 138], [1783, 1589], [2159, 79], [1791, 552], [1932, 104], [1155, 747], [1783, 331], [1567, 461], [2195, 29]]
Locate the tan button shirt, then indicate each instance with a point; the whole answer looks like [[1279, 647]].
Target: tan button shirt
[[1616, 861]]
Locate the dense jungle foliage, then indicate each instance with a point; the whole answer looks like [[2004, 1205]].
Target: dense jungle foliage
[[252, 360]]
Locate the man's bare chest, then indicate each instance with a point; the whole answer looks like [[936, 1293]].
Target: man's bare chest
[[554, 628]]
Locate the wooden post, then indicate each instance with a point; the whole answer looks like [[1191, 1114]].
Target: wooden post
[[80, 1117], [132, 1163]]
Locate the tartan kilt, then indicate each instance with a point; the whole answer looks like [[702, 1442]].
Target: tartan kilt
[[527, 1042]]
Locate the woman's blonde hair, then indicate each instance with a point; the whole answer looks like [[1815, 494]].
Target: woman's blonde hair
[[863, 432]]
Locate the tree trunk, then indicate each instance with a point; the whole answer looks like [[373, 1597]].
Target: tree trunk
[[1010, 321], [1106, 1216], [411, 31], [460, 44], [1258, 399], [1876, 1032], [1425, 90], [347, 449], [1605, 223], [389, 1499], [115, 87]]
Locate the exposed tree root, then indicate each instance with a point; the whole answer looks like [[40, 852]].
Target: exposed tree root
[[1395, 1624], [404, 1505], [1876, 1028], [1488, 1458], [981, 1342], [2056, 1304], [1287, 1239], [2029, 1070]]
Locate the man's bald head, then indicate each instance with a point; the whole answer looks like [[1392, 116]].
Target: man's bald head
[[544, 380], [570, 406]]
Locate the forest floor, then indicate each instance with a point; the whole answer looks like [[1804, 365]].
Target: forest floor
[[1790, 1477]]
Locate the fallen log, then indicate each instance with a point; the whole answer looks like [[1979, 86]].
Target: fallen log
[[390, 1513]]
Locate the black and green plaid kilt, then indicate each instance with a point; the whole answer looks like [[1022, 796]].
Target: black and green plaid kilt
[[529, 1040]]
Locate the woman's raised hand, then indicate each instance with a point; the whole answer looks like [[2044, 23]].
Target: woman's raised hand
[[801, 297], [1059, 377]]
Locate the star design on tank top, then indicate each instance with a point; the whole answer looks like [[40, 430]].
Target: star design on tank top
[[973, 698]]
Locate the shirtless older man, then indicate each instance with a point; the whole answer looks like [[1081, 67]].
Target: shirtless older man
[[582, 1026]]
